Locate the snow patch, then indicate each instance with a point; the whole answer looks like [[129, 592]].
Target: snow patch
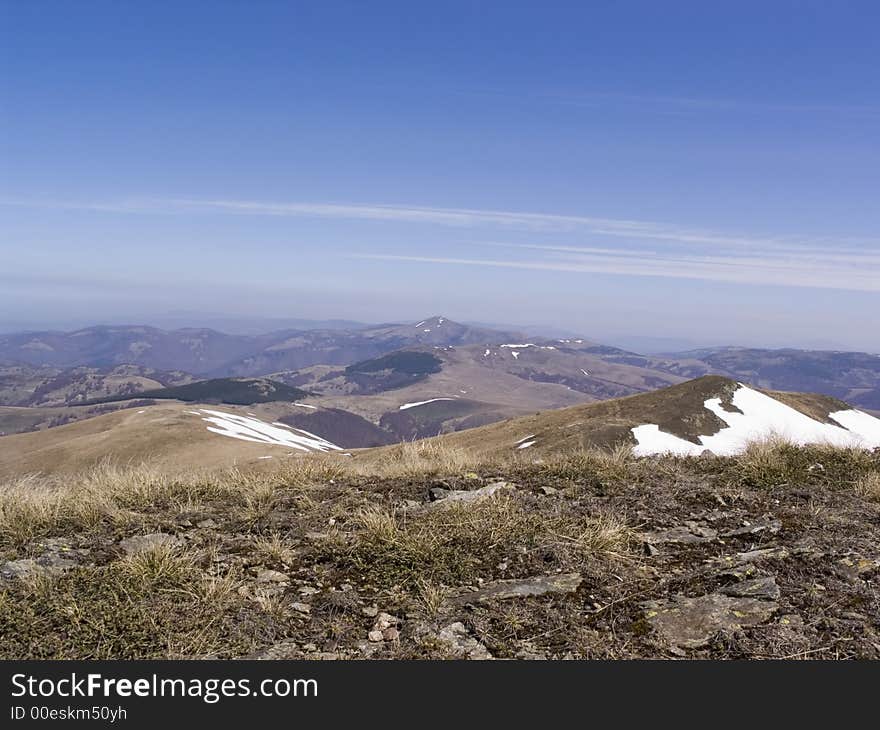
[[762, 418], [247, 428], [524, 438], [421, 403], [585, 372], [306, 405], [525, 445]]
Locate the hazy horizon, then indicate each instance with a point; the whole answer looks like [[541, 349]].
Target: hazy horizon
[[567, 168]]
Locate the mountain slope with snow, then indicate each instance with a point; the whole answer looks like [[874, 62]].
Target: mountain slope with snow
[[709, 413], [755, 416]]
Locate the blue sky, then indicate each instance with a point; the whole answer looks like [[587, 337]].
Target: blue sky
[[705, 172]]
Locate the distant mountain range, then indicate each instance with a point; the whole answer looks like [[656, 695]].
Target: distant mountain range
[[367, 386], [711, 413]]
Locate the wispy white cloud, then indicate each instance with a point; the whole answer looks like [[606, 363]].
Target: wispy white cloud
[[631, 247], [841, 273], [455, 217]]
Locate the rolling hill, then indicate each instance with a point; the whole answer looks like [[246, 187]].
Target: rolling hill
[[709, 413], [173, 436], [234, 391]]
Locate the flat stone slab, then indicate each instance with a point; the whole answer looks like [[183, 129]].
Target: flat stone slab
[[689, 532], [537, 586], [144, 543], [690, 623], [27, 567], [450, 498], [764, 588], [754, 528]]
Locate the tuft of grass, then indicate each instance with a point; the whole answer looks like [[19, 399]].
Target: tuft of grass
[[418, 458], [613, 464], [432, 597], [774, 462], [275, 549], [868, 487], [465, 542], [154, 605]]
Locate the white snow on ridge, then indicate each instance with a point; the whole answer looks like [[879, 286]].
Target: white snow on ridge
[[762, 418], [306, 405], [525, 444], [864, 424], [245, 428], [421, 403], [525, 438]]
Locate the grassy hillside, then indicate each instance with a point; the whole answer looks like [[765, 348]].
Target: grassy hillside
[[678, 410]]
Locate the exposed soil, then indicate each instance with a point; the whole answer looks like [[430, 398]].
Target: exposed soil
[[777, 557]]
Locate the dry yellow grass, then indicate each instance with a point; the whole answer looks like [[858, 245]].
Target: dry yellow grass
[[868, 487]]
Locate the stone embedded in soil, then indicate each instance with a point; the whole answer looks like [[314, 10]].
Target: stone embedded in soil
[[690, 623], [287, 649], [689, 532], [855, 566], [779, 552], [460, 643], [385, 621], [753, 528], [375, 636], [56, 555], [454, 497], [27, 567], [272, 576], [764, 588], [520, 588], [144, 543]]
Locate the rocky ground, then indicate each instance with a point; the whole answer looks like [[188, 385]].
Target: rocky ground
[[771, 555]]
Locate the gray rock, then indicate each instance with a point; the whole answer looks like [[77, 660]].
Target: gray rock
[[690, 623], [689, 532], [466, 496], [537, 586], [144, 543], [763, 588], [762, 554], [48, 564], [855, 566], [437, 493], [753, 528], [385, 621], [742, 572], [287, 649], [28, 567], [461, 643], [272, 576]]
